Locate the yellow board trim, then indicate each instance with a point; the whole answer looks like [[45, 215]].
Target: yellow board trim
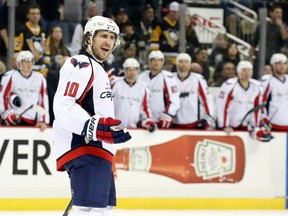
[[151, 203]]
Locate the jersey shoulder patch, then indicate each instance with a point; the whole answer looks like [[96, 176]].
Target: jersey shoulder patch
[[79, 62]]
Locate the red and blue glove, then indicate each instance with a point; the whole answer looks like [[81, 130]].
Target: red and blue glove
[[261, 134], [148, 124], [11, 118], [104, 129], [165, 121]]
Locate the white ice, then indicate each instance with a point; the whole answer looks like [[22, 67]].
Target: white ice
[[160, 213]]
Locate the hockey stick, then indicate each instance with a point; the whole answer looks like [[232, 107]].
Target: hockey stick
[[35, 107], [68, 208], [254, 109]]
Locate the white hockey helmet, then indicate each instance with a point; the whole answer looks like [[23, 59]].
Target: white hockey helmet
[[156, 54], [183, 56], [242, 65], [278, 58], [131, 62], [24, 55], [102, 23]]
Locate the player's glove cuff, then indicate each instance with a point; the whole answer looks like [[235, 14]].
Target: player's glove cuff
[[165, 121], [11, 118], [261, 134], [104, 129], [148, 124]]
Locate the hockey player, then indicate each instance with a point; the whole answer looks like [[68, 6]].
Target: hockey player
[[20, 90], [85, 129], [236, 98], [276, 93], [193, 93], [131, 98], [164, 95]]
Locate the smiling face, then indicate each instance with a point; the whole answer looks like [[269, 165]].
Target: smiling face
[[102, 44]]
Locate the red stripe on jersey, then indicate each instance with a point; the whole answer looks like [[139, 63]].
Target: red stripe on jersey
[[28, 121], [80, 151], [229, 99], [166, 97], [6, 94], [256, 113], [42, 94], [265, 95], [204, 99], [145, 105], [79, 101]]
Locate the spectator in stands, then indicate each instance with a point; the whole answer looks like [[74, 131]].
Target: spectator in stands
[[147, 22], [31, 37], [227, 71], [192, 41], [165, 35], [236, 98], [133, 8], [50, 14], [196, 68], [201, 57], [121, 17], [131, 37], [91, 12], [72, 13], [2, 69], [130, 98], [3, 29], [57, 47], [20, 19], [22, 90], [193, 94], [231, 54], [220, 45], [275, 88], [164, 94], [277, 34]]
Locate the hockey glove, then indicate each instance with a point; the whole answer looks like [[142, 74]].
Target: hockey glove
[[148, 124], [11, 118], [206, 122], [104, 129], [165, 121], [265, 122], [261, 134]]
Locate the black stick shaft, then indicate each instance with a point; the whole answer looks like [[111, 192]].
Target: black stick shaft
[[68, 208]]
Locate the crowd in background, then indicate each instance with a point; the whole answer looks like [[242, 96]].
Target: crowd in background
[[52, 30]]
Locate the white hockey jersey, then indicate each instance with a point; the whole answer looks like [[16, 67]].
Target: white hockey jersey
[[164, 93], [193, 93], [131, 103], [276, 96], [234, 102], [83, 90], [31, 91]]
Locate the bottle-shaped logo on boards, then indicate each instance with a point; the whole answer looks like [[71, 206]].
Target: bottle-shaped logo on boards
[[189, 159]]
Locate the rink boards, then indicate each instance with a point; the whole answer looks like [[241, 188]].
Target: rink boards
[[216, 172]]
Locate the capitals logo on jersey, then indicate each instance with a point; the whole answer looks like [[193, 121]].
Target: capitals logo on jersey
[[81, 64]]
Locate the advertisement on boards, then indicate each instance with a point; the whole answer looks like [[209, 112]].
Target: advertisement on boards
[[192, 169]]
